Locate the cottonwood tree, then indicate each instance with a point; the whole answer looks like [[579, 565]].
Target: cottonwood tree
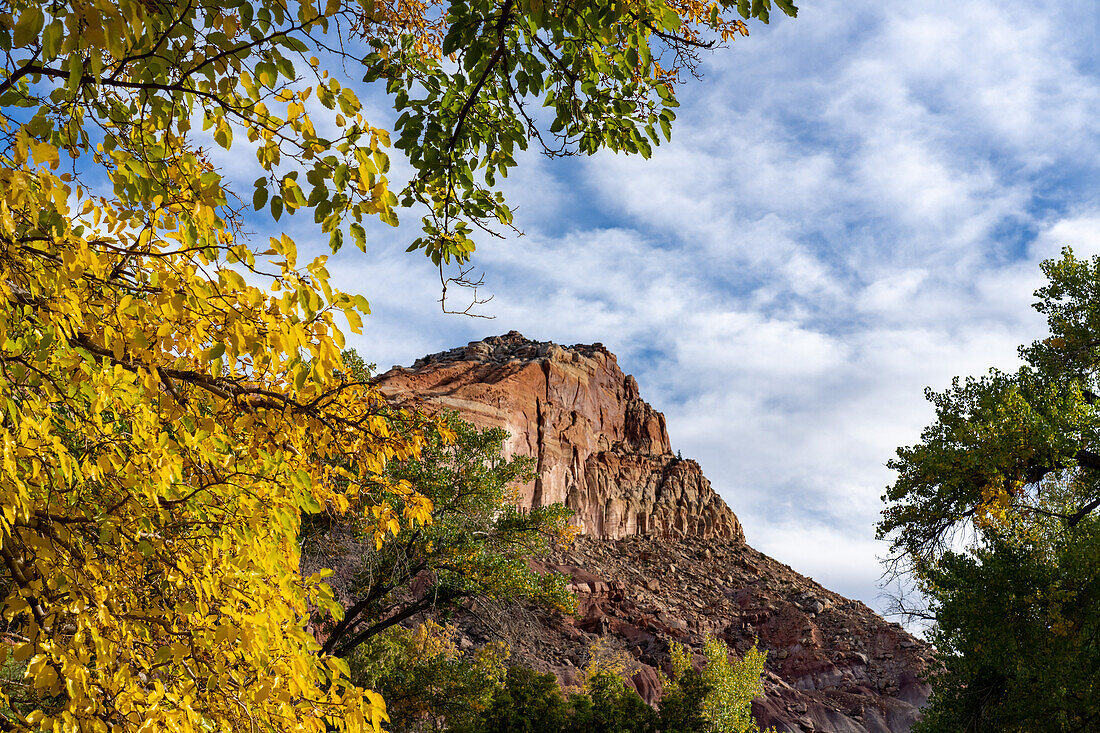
[[170, 390], [725, 689], [996, 512]]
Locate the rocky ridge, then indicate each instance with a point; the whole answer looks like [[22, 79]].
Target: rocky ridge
[[662, 558], [600, 449]]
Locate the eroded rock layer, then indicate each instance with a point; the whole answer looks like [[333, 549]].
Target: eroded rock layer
[[664, 558], [599, 447]]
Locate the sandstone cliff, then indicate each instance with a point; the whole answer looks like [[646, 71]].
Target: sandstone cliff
[[599, 447], [663, 558]]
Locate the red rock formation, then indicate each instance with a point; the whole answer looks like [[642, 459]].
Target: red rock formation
[[665, 558], [599, 447]]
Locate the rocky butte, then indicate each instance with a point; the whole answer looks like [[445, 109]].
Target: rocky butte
[[599, 447], [661, 556]]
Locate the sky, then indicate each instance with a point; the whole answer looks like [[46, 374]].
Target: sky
[[853, 208]]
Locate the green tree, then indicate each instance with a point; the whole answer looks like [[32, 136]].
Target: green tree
[[723, 691], [615, 707], [1017, 629], [427, 682], [681, 705], [528, 702], [531, 702], [476, 545], [994, 511], [684, 694]]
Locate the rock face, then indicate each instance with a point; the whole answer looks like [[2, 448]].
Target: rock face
[[663, 558], [599, 447]]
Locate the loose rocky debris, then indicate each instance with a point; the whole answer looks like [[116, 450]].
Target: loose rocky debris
[[833, 664]]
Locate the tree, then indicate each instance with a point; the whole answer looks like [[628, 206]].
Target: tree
[[995, 512], [476, 545], [998, 441], [684, 694], [614, 708], [486, 73], [1016, 630], [527, 702], [427, 682], [171, 399], [724, 690], [681, 707]]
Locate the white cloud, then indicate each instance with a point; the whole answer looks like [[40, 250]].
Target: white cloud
[[839, 561], [853, 208], [721, 343], [1081, 233]]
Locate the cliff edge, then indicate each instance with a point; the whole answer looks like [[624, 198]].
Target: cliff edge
[[600, 449]]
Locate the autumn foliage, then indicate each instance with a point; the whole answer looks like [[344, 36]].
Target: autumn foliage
[[172, 396]]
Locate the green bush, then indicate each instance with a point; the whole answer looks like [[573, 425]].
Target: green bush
[[715, 700], [428, 684], [528, 702]]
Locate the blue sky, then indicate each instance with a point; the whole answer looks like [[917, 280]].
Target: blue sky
[[853, 207]]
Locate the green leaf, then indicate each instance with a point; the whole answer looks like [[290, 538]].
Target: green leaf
[[51, 39], [75, 69], [788, 7], [259, 197], [285, 67], [359, 235], [28, 26]]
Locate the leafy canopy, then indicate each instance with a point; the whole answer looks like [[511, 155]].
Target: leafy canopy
[[727, 688], [171, 397], [601, 74], [999, 441], [1016, 631], [995, 511], [426, 680], [476, 545]]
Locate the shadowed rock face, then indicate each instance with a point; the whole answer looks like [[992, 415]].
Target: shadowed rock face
[[599, 447]]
